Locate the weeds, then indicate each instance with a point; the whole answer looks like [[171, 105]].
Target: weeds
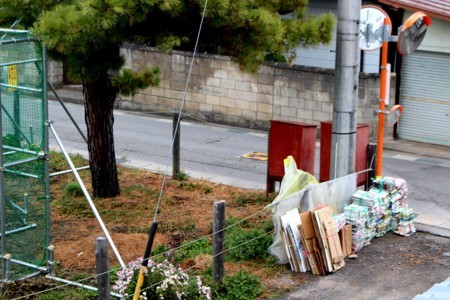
[[246, 245], [181, 176], [58, 161], [251, 199], [73, 189], [241, 285]]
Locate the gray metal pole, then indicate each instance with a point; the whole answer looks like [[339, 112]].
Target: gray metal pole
[[67, 111], [176, 146], [343, 141], [51, 260]]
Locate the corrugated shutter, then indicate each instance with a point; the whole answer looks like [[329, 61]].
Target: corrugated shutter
[[425, 97]]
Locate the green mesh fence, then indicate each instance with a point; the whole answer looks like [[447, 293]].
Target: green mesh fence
[[24, 178]]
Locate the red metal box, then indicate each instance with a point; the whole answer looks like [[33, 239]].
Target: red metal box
[[289, 138]]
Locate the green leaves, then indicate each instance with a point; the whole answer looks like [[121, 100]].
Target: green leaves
[[129, 81], [250, 31], [241, 285]]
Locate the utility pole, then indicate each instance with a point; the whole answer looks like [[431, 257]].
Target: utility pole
[[343, 139]]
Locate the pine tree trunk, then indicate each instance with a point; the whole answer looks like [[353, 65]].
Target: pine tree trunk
[[99, 102]]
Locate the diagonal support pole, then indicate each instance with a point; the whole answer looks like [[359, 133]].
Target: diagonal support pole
[[88, 197]]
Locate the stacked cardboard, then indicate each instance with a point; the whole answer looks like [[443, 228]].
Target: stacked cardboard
[[292, 241], [319, 249]]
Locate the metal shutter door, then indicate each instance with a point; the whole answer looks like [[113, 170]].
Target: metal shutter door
[[425, 97]]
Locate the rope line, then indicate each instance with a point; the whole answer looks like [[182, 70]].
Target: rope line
[[180, 111], [182, 246], [212, 257], [158, 255]]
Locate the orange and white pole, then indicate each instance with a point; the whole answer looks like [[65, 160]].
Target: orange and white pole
[[383, 96]]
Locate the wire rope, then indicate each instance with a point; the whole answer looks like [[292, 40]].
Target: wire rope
[[188, 78]]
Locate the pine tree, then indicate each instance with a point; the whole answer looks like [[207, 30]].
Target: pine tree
[[87, 35]]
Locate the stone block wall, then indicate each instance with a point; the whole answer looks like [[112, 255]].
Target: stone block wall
[[55, 72], [218, 91]]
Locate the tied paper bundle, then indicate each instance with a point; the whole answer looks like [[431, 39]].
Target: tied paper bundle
[[363, 198], [382, 197], [391, 184], [356, 215], [386, 219], [365, 235], [401, 217], [381, 229], [373, 200], [406, 215], [374, 205], [405, 222], [340, 220], [292, 241], [398, 204]]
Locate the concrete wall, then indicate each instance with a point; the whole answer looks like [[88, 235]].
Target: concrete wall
[[219, 91], [55, 72]]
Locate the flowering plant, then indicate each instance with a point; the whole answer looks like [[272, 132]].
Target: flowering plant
[[161, 281]]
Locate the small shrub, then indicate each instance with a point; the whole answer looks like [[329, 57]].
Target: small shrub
[[12, 140], [161, 281], [234, 223], [73, 189], [247, 244], [239, 286], [187, 186], [161, 252], [181, 176], [207, 190], [193, 249]]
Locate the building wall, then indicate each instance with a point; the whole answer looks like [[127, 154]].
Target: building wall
[[219, 91], [55, 72], [324, 55]]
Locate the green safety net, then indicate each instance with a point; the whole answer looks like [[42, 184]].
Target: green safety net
[[24, 180]]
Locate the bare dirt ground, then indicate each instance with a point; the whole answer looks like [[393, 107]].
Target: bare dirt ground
[[391, 267]]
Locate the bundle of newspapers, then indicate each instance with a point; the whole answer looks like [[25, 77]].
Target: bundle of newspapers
[[380, 209]]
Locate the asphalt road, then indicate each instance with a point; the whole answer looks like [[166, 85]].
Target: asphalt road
[[215, 152], [145, 141]]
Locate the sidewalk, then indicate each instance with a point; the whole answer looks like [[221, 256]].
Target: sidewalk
[[429, 217]]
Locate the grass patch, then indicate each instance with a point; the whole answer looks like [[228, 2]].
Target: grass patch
[[58, 161], [76, 206], [73, 189], [240, 285], [251, 199]]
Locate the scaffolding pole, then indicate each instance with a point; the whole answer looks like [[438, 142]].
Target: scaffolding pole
[[88, 197]]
